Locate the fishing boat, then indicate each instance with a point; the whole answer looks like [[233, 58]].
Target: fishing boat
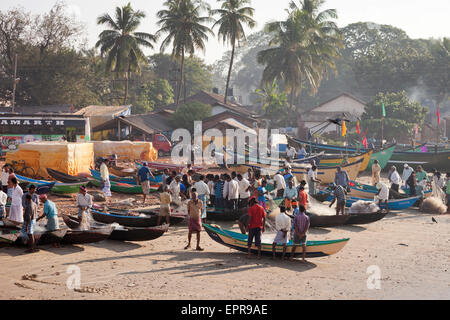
[[45, 189], [401, 204], [125, 188], [368, 192], [428, 160], [318, 221], [333, 161], [64, 177], [127, 180], [162, 166], [87, 236], [42, 236], [238, 241], [62, 188], [122, 233], [122, 172], [133, 221], [8, 236], [365, 218]]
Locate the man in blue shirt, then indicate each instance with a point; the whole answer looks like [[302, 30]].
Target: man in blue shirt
[[262, 194], [219, 192], [144, 175], [288, 176], [341, 178]]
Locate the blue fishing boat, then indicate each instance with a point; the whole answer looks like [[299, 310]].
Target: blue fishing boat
[[397, 205], [132, 181]]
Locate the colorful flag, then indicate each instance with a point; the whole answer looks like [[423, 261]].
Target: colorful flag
[[344, 128], [383, 111], [424, 149], [365, 142], [358, 131], [438, 116]]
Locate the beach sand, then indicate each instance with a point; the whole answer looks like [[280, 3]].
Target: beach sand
[[411, 252]]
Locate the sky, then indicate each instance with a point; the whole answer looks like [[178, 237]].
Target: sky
[[418, 18]]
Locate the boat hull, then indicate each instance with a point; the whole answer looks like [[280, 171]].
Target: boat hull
[[131, 221]]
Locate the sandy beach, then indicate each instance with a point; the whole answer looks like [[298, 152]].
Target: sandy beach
[[411, 252]]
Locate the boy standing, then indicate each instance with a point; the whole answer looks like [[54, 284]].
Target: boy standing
[[301, 226]]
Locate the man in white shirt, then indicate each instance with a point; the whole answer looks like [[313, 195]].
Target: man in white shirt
[[244, 192], [233, 193], [84, 203], [5, 178], [291, 152], [302, 152], [383, 194], [174, 188], [280, 184], [104, 172], [282, 224], [3, 199], [407, 171], [312, 180], [16, 210], [202, 190], [395, 179]]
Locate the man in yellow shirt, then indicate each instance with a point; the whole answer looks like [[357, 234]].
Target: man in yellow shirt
[[164, 210], [376, 169]]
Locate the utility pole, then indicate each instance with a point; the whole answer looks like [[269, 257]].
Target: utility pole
[[15, 83]]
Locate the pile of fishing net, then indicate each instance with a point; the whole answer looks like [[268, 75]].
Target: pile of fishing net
[[433, 206], [364, 207]]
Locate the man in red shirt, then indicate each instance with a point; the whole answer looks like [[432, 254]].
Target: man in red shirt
[[257, 218], [303, 197]]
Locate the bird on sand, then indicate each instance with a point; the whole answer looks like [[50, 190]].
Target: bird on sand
[[434, 220]]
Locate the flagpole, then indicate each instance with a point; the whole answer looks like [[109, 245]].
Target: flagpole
[[382, 131]]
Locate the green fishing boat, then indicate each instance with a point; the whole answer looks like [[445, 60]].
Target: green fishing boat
[[125, 188], [383, 156]]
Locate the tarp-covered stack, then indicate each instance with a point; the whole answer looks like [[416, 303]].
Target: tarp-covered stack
[[126, 150], [67, 157]]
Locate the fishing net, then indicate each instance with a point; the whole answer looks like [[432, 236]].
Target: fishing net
[[433, 206], [364, 207]]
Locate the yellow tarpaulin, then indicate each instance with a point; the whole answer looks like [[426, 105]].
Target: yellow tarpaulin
[[126, 150], [67, 157]]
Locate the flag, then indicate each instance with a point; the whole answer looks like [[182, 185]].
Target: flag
[[358, 131], [365, 142], [383, 111], [438, 116], [424, 149], [344, 128], [416, 129]]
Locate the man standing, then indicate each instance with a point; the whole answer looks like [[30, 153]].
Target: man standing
[[339, 197], [29, 221], [233, 193], [447, 191], [376, 170], [291, 152], [194, 207], [282, 224], [16, 210], [256, 227], [302, 195], [290, 194], [3, 199], [175, 188], [394, 179], [421, 175], [84, 204], [165, 176], [202, 190], [407, 171], [104, 172], [301, 226], [262, 194], [164, 209], [244, 191], [302, 152], [382, 195], [218, 189], [341, 178], [312, 180], [280, 184], [5, 177], [144, 175], [50, 212]]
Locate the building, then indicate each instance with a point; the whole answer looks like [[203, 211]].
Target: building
[[344, 106], [99, 115]]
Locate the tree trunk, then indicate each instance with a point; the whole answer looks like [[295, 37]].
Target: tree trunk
[[292, 98], [181, 77], [229, 73], [127, 76]]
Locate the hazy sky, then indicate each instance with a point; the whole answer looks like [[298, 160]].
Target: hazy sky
[[418, 18]]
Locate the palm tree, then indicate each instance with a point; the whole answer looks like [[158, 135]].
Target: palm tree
[[122, 44], [303, 48], [185, 29], [233, 14]]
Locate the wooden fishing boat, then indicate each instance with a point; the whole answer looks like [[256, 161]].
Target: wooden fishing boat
[[401, 204], [133, 221], [428, 160], [317, 221], [42, 236], [224, 214], [365, 218], [8, 236], [122, 233], [332, 160], [238, 241], [125, 188], [171, 167], [127, 180], [368, 192], [62, 188], [87, 236], [64, 177], [122, 172], [45, 189]]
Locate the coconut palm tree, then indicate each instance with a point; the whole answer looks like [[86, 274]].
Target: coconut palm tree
[[184, 25], [233, 14], [122, 44], [303, 48]]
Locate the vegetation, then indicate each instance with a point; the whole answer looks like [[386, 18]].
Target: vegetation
[[186, 114]]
